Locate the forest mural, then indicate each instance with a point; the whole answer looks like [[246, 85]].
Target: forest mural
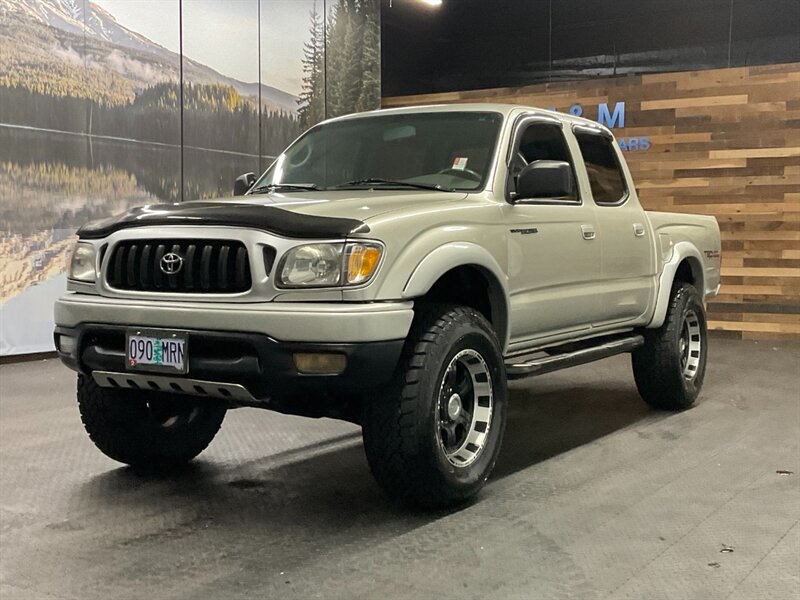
[[341, 61], [114, 103]]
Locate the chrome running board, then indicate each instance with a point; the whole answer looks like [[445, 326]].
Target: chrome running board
[[173, 385], [520, 366]]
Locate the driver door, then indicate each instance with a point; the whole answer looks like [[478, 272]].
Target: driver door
[[553, 255]]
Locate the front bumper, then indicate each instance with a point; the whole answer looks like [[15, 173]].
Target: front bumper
[[334, 322], [247, 346], [260, 365]]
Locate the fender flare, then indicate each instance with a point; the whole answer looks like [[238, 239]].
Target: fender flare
[[680, 252], [462, 254]]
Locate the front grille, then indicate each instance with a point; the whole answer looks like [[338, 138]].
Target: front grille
[[202, 266]]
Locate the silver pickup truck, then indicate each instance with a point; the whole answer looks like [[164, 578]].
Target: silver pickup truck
[[394, 269]]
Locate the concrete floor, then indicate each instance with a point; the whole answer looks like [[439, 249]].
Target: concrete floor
[[594, 496]]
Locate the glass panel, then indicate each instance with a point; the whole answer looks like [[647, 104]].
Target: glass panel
[[446, 150], [220, 94], [132, 57], [292, 81], [352, 56], [541, 142], [96, 86], [605, 176]]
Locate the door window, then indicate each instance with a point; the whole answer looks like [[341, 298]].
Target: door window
[[540, 141], [605, 174]]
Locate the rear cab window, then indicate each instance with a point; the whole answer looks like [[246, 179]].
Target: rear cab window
[[606, 178]]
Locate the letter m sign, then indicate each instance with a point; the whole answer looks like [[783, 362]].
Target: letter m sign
[[611, 120]]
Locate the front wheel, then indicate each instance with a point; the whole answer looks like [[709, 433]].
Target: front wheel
[[670, 367], [147, 429], [434, 437]]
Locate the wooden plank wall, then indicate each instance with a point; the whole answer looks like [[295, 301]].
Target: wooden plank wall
[[723, 142]]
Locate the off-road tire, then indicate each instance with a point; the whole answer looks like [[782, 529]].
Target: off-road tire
[[402, 437], [662, 376], [135, 427]]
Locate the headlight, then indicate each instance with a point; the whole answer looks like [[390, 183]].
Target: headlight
[[82, 264], [329, 265], [315, 265]]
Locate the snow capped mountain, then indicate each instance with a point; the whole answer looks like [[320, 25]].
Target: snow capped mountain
[[102, 25], [64, 14], [69, 16], [99, 24]]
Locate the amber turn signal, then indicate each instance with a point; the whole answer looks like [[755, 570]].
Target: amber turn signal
[[362, 260]]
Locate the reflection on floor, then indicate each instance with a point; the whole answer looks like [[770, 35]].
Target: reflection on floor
[[594, 496]]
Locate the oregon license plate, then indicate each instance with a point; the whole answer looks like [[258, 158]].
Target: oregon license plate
[[164, 351]]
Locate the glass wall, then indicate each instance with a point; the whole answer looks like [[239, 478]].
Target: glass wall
[[110, 104]]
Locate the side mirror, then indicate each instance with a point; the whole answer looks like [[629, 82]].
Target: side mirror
[[545, 179], [243, 183]]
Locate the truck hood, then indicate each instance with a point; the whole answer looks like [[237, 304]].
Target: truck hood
[[361, 204], [298, 214]]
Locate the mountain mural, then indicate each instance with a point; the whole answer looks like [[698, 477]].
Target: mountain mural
[[69, 16], [95, 118], [40, 36]]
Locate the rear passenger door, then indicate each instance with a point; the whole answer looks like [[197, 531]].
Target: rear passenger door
[[627, 252], [553, 257]]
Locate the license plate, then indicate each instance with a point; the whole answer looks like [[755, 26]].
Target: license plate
[[163, 351]]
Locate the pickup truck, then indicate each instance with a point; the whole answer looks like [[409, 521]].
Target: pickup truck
[[394, 269]]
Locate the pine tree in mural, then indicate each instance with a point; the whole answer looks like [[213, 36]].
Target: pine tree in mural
[[312, 96], [369, 96], [343, 75]]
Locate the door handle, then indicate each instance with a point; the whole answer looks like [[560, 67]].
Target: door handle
[[638, 229], [588, 232]]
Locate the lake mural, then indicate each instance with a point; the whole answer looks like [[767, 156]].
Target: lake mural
[[115, 103]]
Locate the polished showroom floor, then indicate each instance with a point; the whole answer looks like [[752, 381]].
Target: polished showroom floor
[[594, 496]]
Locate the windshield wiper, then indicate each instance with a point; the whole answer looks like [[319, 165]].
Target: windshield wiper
[[379, 181], [266, 189]]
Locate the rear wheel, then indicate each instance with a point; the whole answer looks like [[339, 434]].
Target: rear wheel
[[147, 429], [433, 438], [670, 367]]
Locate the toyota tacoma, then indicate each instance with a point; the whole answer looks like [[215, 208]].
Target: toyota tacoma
[[394, 269]]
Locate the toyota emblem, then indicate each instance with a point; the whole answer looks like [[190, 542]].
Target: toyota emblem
[[171, 263]]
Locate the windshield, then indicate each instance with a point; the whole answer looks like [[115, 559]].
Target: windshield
[[436, 150]]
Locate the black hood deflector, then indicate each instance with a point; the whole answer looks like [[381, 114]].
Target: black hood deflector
[[252, 216]]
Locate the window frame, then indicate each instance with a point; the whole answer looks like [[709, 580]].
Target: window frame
[[601, 133], [521, 123]]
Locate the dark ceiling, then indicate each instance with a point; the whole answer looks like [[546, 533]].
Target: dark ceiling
[[473, 44]]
